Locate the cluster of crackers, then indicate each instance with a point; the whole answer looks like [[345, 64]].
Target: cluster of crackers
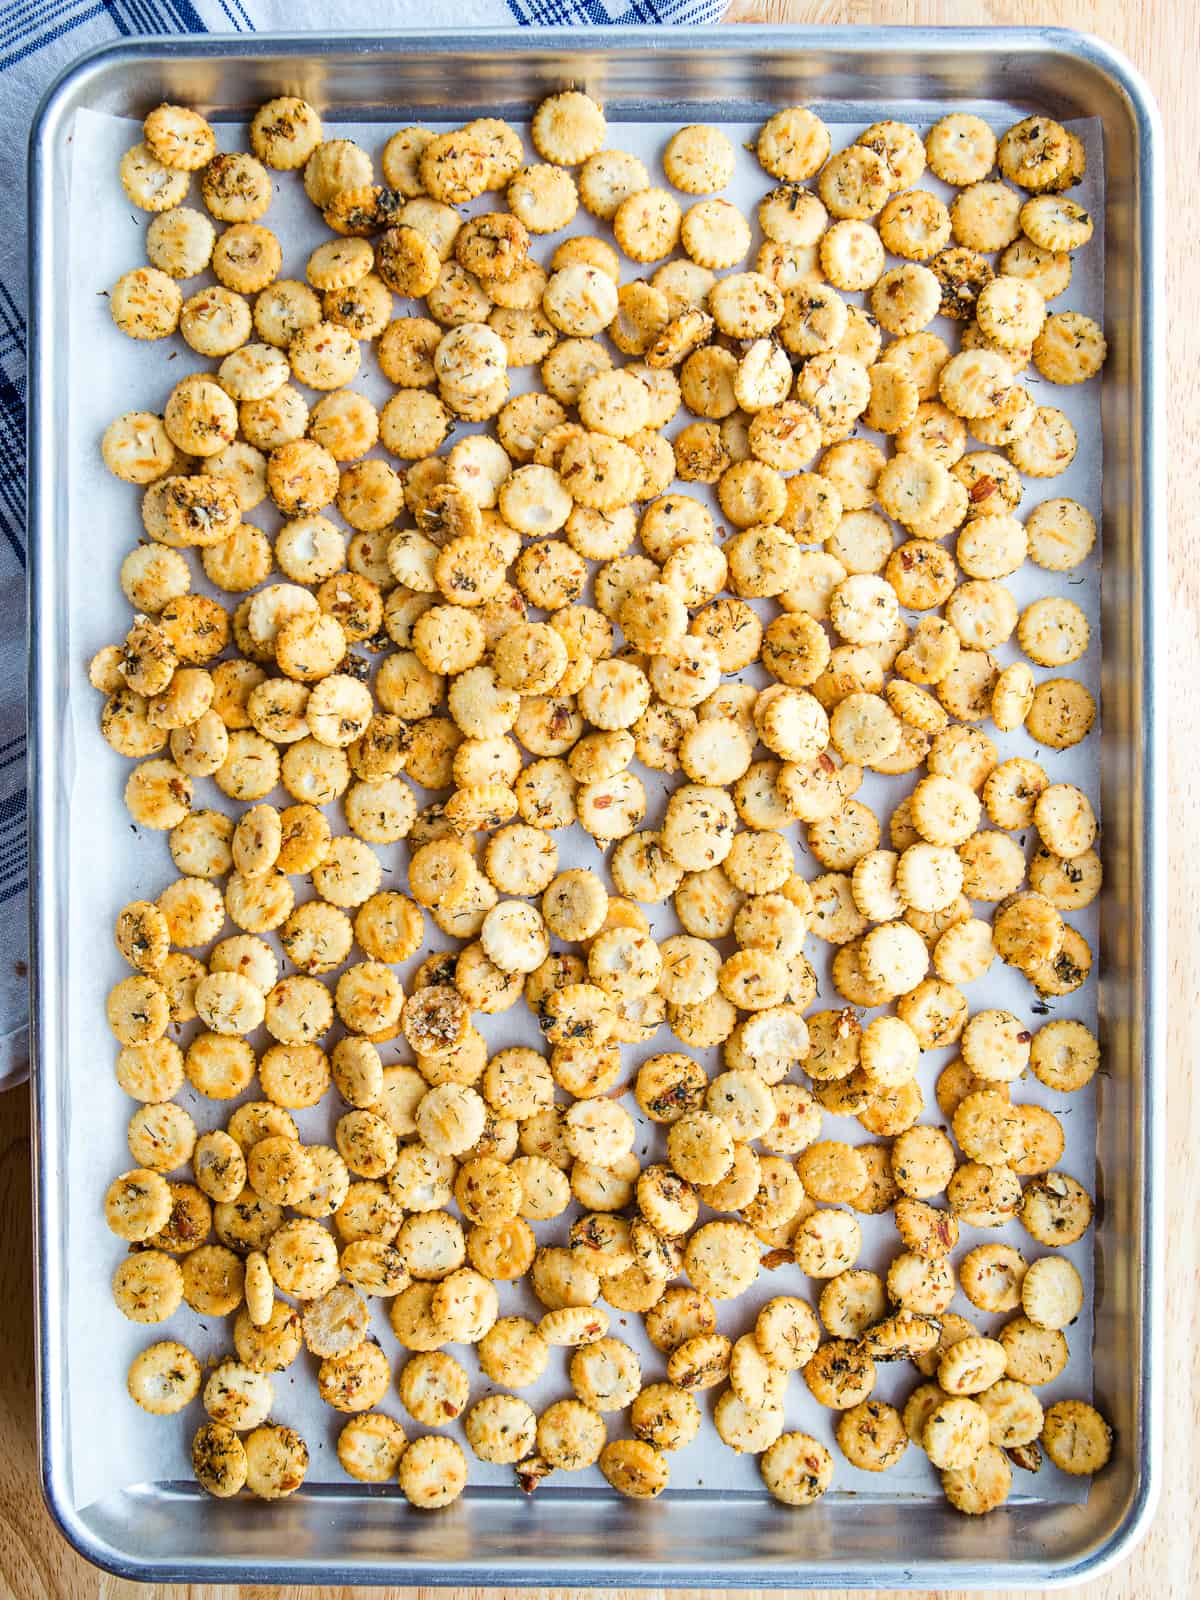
[[478, 619]]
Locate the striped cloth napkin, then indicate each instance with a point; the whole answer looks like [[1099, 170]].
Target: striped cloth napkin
[[38, 38]]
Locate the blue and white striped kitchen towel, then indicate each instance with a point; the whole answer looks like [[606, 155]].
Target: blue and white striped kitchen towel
[[38, 38]]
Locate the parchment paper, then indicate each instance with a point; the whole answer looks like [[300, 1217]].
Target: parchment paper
[[112, 862]]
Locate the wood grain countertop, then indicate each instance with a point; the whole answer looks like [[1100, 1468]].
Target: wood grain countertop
[[1162, 38]]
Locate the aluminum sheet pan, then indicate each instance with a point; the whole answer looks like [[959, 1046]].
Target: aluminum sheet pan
[[490, 1531]]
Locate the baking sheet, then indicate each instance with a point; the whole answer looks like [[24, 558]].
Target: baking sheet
[[112, 862]]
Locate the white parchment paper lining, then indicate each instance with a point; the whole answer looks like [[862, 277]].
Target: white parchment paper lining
[[112, 1442]]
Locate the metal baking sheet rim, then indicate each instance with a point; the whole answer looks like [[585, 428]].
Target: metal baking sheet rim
[[912, 57]]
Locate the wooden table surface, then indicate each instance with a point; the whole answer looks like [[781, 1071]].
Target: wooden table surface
[[1160, 36]]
